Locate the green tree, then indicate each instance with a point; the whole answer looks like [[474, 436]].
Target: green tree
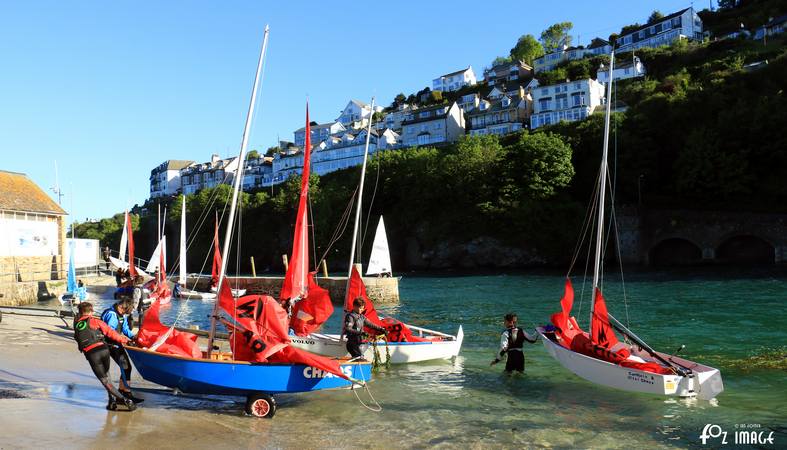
[[272, 150], [527, 49], [655, 16], [254, 154], [556, 36], [500, 60], [540, 164]]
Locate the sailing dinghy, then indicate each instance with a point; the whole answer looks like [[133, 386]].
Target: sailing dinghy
[[74, 294], [599, 356], [312, 305], [183, 291], [380, 258], [262, 361]]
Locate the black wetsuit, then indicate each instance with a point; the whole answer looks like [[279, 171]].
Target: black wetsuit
[[353, 328], [116, 351], [511, 346], [90, 334]]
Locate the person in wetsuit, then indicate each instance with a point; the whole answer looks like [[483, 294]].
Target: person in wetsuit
[[354, 322], [116, 318], [90, 334], [511, 341]]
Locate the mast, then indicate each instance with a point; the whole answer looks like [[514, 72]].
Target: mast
[[235, 189], [182, 257], [602, 180], [360, 198]]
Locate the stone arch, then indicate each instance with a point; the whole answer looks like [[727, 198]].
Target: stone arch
[[675, 251], [745, 249]]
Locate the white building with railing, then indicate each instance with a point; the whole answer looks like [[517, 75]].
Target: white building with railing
[[684, 24], [165, 179], [209, 174], [455, 80], [433, 125], [630, 68], [568, 101]]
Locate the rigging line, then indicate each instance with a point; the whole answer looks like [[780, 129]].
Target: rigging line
[[341, 227], [585, 226], [371, 203], [590, 231], [310, 219], [615, 229]]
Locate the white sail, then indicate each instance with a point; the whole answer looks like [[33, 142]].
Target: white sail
[[380, 259], [154, 259], [123, 239], [182, 276]]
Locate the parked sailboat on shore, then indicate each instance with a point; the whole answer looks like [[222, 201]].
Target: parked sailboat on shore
[[403, 345], [262, 361], [599, 356], [183, 291]]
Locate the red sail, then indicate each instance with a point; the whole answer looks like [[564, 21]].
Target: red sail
[[131, 269], [262, 333], [357, 289], [311, 312], [295, 281], [601, 330], [214, 274], [177, 343]]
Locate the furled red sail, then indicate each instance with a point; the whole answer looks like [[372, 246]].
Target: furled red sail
[[311, 312], [261, 334], [214, 274], [131, 269], [562, 320], [358, 289], [600, 329], [295, 281], [175, 342], [397, 331]]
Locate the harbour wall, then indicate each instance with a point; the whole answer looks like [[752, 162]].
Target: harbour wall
[[379, 290]]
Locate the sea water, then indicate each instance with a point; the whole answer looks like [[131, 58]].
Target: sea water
[[730, 320]]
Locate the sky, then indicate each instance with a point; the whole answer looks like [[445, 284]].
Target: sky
[[107, 90]]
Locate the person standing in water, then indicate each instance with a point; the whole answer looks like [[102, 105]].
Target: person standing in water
[[354, 322], [90, 334], [511, 341]]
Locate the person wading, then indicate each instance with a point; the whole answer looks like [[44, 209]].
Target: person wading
[[511, 341], [116, 318], [90, 334], [354, 322]]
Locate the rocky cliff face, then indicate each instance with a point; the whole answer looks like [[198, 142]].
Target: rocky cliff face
[[479, 252]]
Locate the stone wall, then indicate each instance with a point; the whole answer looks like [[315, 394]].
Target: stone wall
[[30, 268], [26, 293], [379, 290]]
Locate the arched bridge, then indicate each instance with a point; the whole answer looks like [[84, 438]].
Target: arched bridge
[[678, 237]]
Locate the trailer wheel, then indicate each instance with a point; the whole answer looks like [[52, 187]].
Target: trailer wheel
[[260, 404]]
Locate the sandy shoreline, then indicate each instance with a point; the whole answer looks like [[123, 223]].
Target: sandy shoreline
[[50, 399]]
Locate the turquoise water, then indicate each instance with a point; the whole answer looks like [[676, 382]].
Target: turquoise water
[[724, 319]]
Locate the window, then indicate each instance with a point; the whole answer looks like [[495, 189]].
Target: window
[[544, 91], [423, 139], [438, 125], [544, 103]]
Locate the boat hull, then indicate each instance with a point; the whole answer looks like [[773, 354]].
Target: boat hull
[[195, 295], [203, 376], [706, 383], [400, 352]]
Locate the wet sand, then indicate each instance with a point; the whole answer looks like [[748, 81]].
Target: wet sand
[[50, 398]]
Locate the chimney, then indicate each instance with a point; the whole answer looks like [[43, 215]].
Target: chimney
[[214, 158]]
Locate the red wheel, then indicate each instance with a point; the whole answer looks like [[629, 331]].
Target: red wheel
[[260, 405]]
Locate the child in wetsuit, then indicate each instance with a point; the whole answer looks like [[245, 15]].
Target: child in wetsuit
[[511, 341], [90, 332]]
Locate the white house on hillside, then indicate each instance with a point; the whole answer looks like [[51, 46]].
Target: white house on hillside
[[570, 101], [165, 179], [356, 114], [682, 24], [630, 68], [510, 71], [393, 120], [455, 80], [433, 125], [501, 115], [549, 61], [209, 174], [319, 132]]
